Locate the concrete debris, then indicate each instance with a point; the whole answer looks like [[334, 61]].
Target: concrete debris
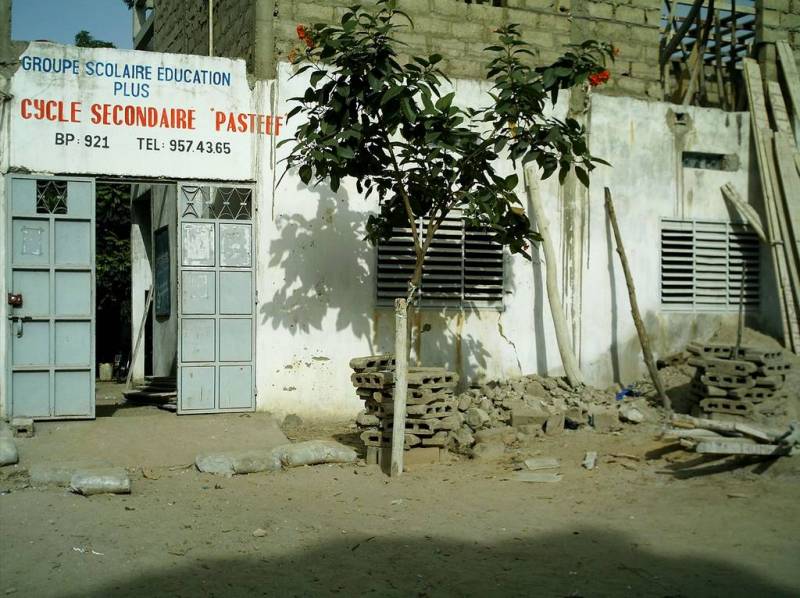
[[315, 452], [525, 476], [604, 418], [732, 437], [530, 405], [311, 452], [259, 533], [631, 414], [535, 464], [590, 460], [60, 474], [488, 451], [100, 481]]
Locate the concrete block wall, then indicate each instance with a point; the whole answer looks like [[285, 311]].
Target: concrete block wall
[[778, 19], [460, 32], [181, 27], [456, 30]]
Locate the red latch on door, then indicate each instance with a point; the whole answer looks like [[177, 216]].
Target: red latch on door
[[15, 299]]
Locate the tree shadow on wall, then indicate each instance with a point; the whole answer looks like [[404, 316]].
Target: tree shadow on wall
[[578, 562], [326, 266]]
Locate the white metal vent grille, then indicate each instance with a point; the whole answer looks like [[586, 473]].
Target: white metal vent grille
[[702, 263], [463, 266]]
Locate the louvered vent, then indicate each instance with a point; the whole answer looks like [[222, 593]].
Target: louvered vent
[[463, 266], [702, 265]]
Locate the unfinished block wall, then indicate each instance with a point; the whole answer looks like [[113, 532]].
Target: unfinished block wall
[[460, 31], [181, 27], [778, 19], [452, 28]]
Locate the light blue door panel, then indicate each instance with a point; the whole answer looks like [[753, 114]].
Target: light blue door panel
[[235, 246], [216, 310], [235, 386], [51, 333], [197, 388], [197, 244], [73, 343], [198, 339], [235, 339], [33, 347], [198, 292], [81, 199], [73, 293], [31, 394], [35, 288], [31, 239], [73, 243], [23, 197], [73, 393], [237, 295]]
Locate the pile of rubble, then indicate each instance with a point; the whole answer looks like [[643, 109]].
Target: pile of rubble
[[503, 411], [431, 412], [536, 405], [735, 381], [712, 437]]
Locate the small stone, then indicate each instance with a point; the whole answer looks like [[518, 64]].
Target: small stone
[[486, 405], [464, 402], [590, 460], [477, 418], [259, 533], [365, 420], [527, 416], [488, 451], [554, 424], [535, 389], [631, 414], [504, 434], [603, 419], [292, 421]]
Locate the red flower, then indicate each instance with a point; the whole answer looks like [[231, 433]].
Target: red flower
[[599, 78], [309, 41], [301, 32]]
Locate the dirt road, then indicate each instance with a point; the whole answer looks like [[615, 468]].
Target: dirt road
[[638, 527]]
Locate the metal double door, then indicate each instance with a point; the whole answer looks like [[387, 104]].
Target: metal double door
[[51, 297], [216, 305]]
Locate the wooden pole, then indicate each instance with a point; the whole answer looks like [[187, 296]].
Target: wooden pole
[[568, 359], [139, 335], [400, 385], [637, 319]]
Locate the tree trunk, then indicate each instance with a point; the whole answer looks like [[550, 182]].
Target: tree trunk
[[400, 385], [568, 359], [637, 319]]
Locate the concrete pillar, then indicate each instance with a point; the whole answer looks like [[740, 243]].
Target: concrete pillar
[[264, 39], [5, 30]]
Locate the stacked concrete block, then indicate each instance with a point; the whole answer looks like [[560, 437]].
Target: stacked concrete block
[[735, 382], [431, 411]]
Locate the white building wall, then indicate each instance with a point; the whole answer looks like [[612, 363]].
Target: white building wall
[[315, 276]]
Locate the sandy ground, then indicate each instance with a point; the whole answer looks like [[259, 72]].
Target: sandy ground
[[651, 522]]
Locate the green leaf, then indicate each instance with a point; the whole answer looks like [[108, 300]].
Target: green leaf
[[510, 182], [408, 111], [582, 175], [305, 174], [392, 92], [444, 102]]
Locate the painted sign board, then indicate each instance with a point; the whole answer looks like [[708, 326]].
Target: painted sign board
[[123, 112]]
